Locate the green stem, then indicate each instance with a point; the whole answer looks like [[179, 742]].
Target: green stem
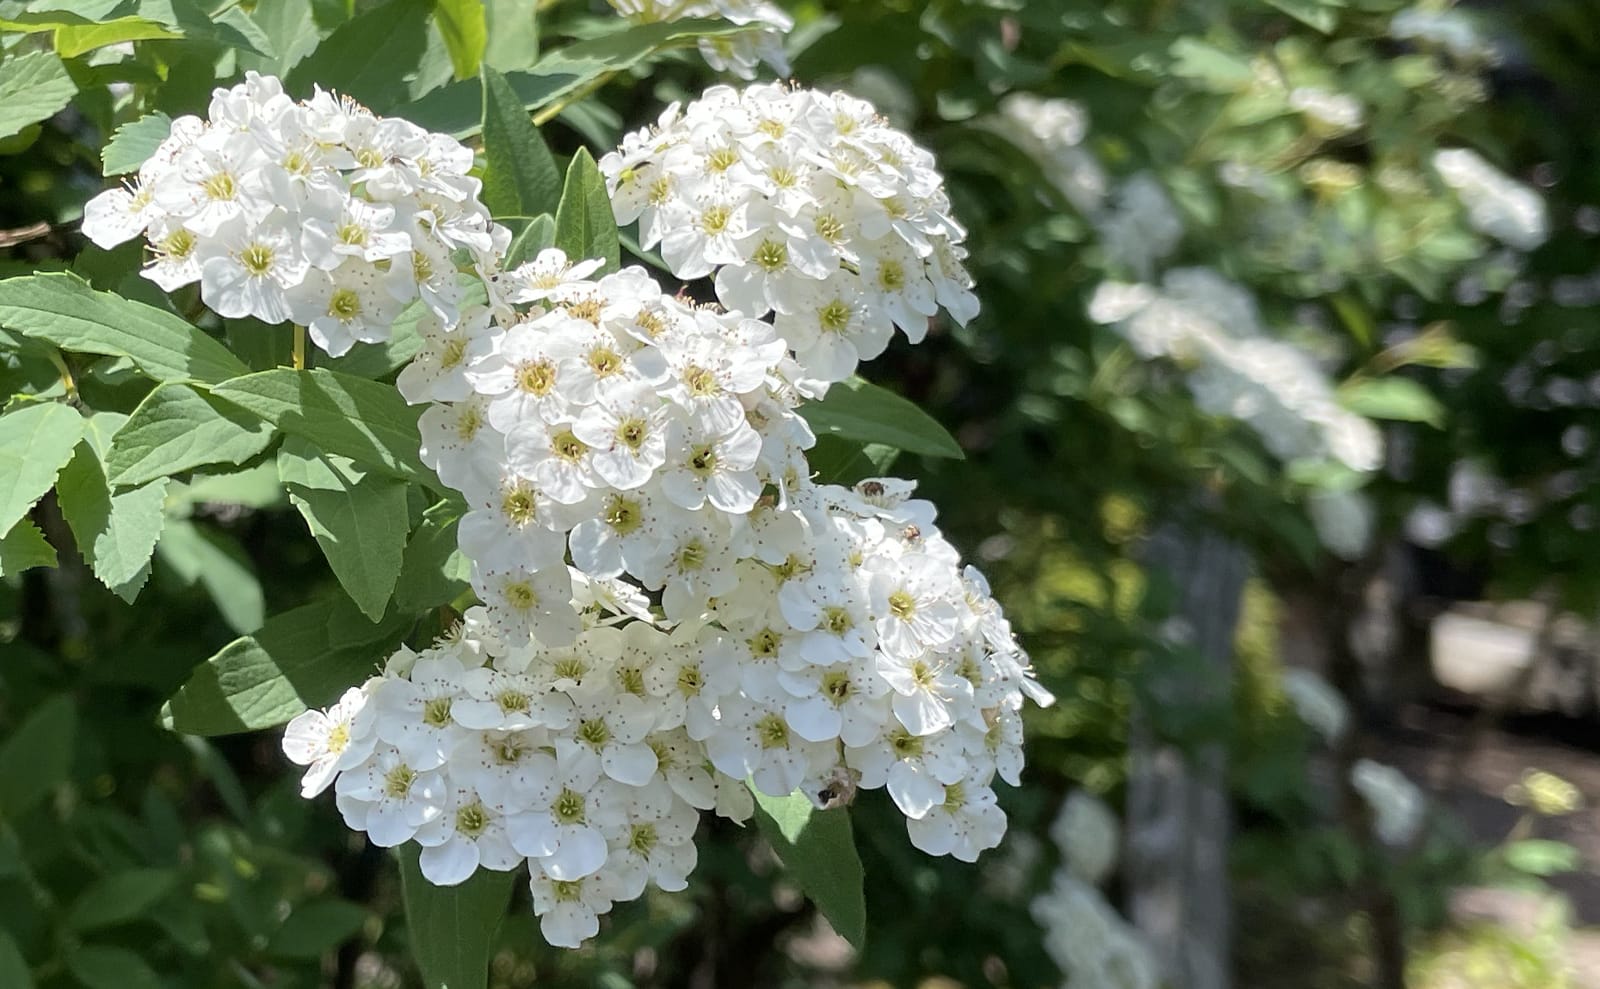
[[299, 347]]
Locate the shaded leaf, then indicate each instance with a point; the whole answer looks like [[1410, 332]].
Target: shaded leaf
[[23, 548], [818, 852], [586, 227], [452, 928], [519, 177], [177, 429], [1393, 398], [99, 967], [539, 234], [861, 411], [37, 757], [366, 56], [116, 531], [215, 561], [119, 897], [316, 928]]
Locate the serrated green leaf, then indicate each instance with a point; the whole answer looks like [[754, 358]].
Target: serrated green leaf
[[33, 87], [1393, 398], [818, 852], [586, 227], [452, 928], [359, 519], [539, 234], [292, 31], [519, 177], [366, 57], [134, 143], [337, 413], [36, 441], [119, 897], [14, 972], [78, 39], [458, 108], [176, 429], [116, 532], [265, 679], [24, 548], [464, 26], [219, 565], [860, 411], [60, 308], [37, 757], [99, 967], [315, 928]]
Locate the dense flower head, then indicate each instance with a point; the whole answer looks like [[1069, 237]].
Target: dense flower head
[[317, 212], [804, 204], [740, 53], [670, 606], [1210, 327]]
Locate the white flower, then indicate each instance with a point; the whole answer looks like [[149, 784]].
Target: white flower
[[328, 742]]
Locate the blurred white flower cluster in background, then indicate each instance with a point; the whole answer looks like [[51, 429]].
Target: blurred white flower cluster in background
[[740, 53]]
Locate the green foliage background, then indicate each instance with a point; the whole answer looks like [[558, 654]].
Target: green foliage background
[[135, 856]]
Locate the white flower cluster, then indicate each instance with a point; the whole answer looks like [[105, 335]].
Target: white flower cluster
[[1316, 703], [317, 212], [1329, 112], [1209, 326], [1090, 942], [739, 53], [1497, 205], [670, 606], [804, 204]]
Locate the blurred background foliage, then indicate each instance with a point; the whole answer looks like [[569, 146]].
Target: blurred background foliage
[[134, 858]]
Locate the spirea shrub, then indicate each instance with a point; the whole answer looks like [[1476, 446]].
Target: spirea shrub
[[667, 605]]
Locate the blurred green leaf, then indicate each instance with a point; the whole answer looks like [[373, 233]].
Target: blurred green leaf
[[62, 309], [1393, 398], [585, 224], [315, 928], [434, 572], [818, 852], [452, 928], [118, 898], [465, 27], [861, 411], [365, 57], [1540, 857], [218, 564], [14, 973], [37, 757], [359, 519], [111, 968]]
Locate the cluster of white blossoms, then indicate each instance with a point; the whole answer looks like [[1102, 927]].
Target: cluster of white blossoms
[[670, 606], [1209, 326], [740, 53], [317, 212], [1497, 205], [1092, 944], [806, 205]]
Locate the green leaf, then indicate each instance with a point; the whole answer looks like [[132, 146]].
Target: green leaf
[[36, 441], [434, 572], [465, 28], [1392, 398], [116, 531], [177, 429], [1217, 70], [861, 411], [452, 928], [352, 417], [37, 757], [519, 176], [539, 234], [290, 28], [111, 968], [1542, 857], [61, 308], [119, 897], [204, 556], [586, 227], [23, 548], [33, 87], [134, 143], [818, 852], [1319, 14], [74, 40], [458, 108], [14, 972], [315, 928], [513, 34], [366, 56], [292, 663], [360, 520], [839, 461]]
